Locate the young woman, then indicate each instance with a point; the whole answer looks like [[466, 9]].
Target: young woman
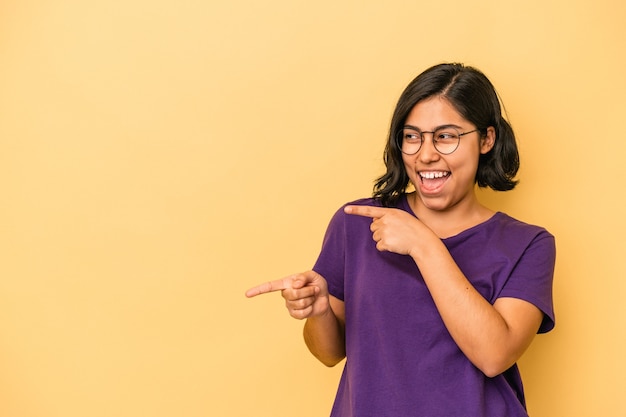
[[429, 295]]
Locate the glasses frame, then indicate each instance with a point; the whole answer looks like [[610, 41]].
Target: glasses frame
[[400, 138]]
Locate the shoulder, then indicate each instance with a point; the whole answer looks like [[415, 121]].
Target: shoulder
[[368, 201], [518, 238], [505, 234], [517, 228]]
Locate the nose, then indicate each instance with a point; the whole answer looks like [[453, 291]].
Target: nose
[[427, 152]]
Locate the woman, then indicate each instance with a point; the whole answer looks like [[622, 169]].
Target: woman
[[429, 295]]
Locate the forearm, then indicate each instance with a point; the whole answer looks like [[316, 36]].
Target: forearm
[[478, 328], [324, 335]]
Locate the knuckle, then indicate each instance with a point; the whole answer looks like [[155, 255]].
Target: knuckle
[[299, 314]]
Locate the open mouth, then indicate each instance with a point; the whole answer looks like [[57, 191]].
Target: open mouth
[[433, 180]]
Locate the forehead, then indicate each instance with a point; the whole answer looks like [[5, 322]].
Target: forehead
[[433, 112]]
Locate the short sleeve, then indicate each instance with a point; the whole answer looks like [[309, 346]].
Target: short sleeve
[[331, 261], [532, 278]]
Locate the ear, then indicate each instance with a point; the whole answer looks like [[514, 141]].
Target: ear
[[487, 142]]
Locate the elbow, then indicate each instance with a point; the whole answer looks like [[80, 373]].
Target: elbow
[[491, 372], [493, 362], [328, 355], [330, 361], [493, 367]]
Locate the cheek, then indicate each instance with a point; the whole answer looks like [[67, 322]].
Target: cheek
[[467, 169], [409, 167], [408, 163]]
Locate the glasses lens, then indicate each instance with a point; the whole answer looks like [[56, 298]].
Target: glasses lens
[[446, 140], [410, 141]]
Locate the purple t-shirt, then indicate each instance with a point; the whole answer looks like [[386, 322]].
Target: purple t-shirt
[[401, 360]]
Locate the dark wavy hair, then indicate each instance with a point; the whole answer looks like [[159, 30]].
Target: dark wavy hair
[[471, 93]]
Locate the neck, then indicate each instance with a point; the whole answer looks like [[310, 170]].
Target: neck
[[452, 220]]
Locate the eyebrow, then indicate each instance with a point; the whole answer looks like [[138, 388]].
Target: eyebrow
[[436, 127]]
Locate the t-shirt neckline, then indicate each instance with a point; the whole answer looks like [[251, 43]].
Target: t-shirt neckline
[[404, 204]]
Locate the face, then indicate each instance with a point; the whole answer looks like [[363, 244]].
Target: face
[[443, 182]]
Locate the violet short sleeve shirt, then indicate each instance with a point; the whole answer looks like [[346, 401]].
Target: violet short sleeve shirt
[[401, 360]]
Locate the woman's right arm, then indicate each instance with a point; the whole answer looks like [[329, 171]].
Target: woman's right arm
[[306, 297], [324, 334]]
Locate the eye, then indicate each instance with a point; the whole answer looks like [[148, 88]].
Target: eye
[[411, 136], [446, 136]]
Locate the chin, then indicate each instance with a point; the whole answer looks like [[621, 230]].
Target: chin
[[434, 203]]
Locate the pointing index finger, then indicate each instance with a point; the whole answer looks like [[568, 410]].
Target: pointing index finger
[[271, 286], [365, 211]]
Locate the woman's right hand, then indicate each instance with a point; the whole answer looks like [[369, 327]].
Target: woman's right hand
[[305, 294]]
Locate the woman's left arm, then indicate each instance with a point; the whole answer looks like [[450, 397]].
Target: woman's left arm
[[493, 337]]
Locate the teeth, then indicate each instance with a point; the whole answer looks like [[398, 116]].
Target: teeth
[[433, 175]]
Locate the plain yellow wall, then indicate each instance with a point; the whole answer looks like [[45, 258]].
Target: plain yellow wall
[[159, 157]]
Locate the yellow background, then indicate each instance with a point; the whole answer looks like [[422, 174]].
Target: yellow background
[[159, 157]]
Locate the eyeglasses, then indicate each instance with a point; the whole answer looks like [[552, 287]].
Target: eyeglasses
[[446, 139]]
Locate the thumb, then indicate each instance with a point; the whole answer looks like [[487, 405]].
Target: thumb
[[303, 279], [312, 278]]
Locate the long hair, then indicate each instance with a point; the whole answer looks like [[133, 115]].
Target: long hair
[[471, 93]]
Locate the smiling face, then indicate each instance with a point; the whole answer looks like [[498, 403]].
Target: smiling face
[[443, 182]]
